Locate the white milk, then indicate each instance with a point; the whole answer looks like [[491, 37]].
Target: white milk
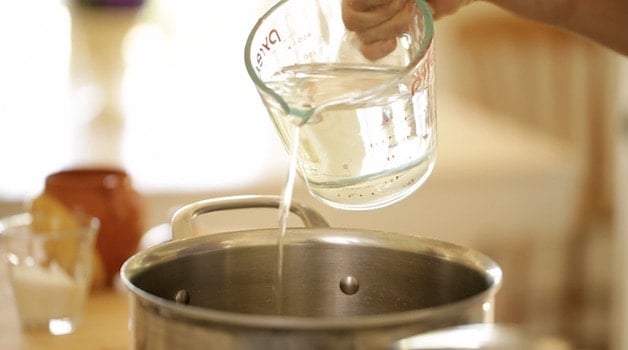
[[44, 294]]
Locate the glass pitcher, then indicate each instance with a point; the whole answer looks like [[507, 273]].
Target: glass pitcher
[[367, 129]]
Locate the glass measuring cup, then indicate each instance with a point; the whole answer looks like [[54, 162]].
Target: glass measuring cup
[[367, 128]]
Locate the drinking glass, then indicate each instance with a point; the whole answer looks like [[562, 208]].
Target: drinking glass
[[49, 270]]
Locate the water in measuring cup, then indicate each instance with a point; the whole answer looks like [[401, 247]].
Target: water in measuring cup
[[354, 155]]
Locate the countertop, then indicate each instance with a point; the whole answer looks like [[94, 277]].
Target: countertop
[[105, 325]]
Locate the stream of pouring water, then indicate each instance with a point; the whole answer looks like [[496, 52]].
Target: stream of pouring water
[[284, 213]]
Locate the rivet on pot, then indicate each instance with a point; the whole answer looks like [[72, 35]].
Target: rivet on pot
[[182, 297], [349, 285]]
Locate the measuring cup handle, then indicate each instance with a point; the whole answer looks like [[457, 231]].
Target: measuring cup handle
[[183, 219]]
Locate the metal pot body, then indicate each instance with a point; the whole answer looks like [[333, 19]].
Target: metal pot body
[[340, 289]]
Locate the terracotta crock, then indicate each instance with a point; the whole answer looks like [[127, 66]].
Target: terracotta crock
[[108, 194]]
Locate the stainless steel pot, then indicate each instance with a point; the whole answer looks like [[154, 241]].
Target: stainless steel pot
[[342, 288]]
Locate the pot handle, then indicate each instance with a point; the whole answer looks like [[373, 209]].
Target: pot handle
[[183, 219]]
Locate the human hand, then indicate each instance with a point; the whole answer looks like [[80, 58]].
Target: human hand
[[377, 23]]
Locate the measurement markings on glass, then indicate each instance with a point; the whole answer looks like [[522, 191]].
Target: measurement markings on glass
[[270, 40], [274, 38]]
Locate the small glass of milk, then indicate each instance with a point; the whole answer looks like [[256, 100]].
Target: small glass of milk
[[49, 270]]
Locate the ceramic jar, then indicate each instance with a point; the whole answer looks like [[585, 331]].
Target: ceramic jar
[[108, 194]]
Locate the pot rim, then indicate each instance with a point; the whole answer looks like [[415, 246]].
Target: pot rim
[[201, 315]]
